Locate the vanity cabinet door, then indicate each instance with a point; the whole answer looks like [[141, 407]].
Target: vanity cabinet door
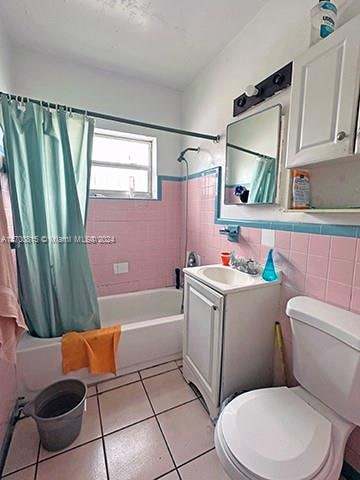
[[324, 99], [203, 324]]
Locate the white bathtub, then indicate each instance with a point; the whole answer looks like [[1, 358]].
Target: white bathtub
[[151, 334]]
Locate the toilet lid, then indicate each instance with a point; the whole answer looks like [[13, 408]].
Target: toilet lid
[[276, 435]]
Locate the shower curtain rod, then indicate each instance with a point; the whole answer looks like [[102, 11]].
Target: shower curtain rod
[[250, 152], [112, 118]]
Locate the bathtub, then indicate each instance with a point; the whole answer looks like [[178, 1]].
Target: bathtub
[[151, 334]]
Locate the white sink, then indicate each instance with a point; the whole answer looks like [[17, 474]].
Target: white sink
[[225, 275], [225, 279]]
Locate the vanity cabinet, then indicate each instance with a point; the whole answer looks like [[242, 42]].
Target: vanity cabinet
[[325, 99], [228, 342], [203, 335]]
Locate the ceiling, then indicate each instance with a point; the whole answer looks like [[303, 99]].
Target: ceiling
[[163, 41]]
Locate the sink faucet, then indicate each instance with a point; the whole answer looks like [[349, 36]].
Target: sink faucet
[[252, 267], [249, 266]]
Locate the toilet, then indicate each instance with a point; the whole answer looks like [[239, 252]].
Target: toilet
[[299, 433]]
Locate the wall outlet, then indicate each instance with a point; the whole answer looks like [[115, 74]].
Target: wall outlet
[[121, 268], [268, 238]]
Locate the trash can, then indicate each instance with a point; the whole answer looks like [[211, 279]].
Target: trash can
[[58, 412]]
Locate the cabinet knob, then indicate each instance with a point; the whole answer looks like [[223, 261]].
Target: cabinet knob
[[341, 136]]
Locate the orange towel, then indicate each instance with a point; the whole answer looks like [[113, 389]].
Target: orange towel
[[95, 349]]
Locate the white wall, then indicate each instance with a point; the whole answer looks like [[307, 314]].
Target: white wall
[[279, 33], [5, 73], [46, 77]]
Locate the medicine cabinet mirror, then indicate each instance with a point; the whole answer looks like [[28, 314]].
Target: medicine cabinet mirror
[[252, 158]]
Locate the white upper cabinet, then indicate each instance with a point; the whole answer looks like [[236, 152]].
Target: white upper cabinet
[[325, 99]]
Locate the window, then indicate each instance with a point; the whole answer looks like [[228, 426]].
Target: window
[[123, 165]]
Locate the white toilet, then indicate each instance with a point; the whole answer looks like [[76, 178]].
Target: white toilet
[[299, 433]]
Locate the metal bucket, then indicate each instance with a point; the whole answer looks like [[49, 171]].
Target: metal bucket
[[58, 412]]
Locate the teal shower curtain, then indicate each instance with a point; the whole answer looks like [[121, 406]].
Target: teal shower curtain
[[48, 156], [264, 181]]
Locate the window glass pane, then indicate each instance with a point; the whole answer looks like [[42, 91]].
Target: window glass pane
[[121, 150], [118, 179]]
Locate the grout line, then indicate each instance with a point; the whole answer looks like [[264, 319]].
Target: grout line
[[165, 474], [37, 460], [114, 378], [158, 365], [135, 381], [140, 378], [119, 386], [177, 406], [102, 438], [157, 421], [146, 418], [128, 426], [161, 373], [197, 456], [13, 472], [57, 454]]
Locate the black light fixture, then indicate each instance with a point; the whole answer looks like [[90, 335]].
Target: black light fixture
[[255, 94]]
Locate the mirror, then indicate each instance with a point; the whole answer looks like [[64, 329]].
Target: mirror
[[252, 157]]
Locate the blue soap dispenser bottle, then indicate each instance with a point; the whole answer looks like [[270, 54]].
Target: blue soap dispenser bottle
[[269, 273]]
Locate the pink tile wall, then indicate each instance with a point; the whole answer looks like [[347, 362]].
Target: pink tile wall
[[147, 236], [7, 370], [8, 395], [324, 267]]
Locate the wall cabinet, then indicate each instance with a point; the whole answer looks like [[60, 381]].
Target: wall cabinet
[[228, 339], [325, 99]]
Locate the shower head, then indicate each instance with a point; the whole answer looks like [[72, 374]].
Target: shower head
[[182, 158]]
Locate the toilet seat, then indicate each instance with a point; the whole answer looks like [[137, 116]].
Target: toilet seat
[[273, 434]]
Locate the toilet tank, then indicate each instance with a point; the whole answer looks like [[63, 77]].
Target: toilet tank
[[326, 354]]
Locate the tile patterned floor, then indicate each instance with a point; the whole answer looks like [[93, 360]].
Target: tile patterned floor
[[142, 426]]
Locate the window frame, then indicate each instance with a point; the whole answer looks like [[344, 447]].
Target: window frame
[[152, 192]]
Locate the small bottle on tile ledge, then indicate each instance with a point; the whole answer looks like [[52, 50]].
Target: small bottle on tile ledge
[[269, 274]]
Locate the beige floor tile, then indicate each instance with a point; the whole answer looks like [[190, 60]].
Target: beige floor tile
[[138, 452], [170, 476], [26, 474], [164, 367], [24, 446], [118, 382], [86, 462], [188, 431], [91, 391], [206, 467], [124, 406], [90, 429], [168, 390]]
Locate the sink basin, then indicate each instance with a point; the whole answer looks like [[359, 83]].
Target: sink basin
[[225, 275], [226, 279]]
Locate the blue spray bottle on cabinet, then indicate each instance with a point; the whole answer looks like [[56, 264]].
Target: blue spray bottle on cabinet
[[269, 273]]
